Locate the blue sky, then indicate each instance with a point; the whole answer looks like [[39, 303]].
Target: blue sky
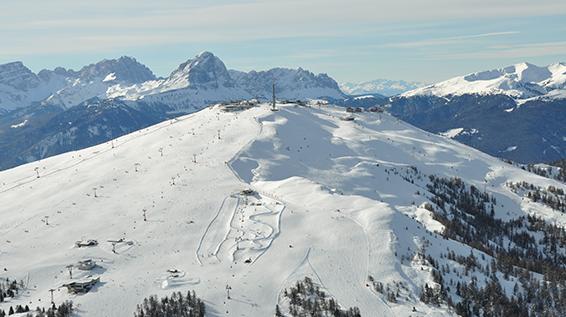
[[353, 40]]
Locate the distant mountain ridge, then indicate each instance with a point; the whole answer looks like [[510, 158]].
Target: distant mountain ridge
[[20, 87], [516, 112], [385, 87], [61, 110], [195, 83], [290, 83], [520, 82]]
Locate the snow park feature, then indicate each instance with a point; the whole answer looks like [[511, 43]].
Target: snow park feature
[[370, 217]]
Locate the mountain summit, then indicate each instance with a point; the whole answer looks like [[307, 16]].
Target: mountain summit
[[205, 70]]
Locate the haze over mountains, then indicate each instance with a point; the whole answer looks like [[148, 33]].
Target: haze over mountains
[[385, 87]]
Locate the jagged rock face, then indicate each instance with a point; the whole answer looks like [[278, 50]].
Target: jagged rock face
[[20, 87], [289, 83], [18, 76], [205, 70], [125, 69], [194, 84]]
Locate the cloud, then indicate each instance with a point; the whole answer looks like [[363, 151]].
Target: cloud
[[447, 40], [516, 51]]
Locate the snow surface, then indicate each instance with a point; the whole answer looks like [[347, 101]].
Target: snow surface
[[452, 133], [325, 206], [109, 77], [19, 125]]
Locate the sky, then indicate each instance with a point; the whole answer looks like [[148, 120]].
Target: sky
[[352, 41]]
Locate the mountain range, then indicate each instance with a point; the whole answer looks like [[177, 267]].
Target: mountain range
[[195, 83], [302, 211], [517, 112], [62, 110]]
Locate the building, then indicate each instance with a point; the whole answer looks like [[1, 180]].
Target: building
[[86, 265], [247, 192], [86, 243], [81, 287]]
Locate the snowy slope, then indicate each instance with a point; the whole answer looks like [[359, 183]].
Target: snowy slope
[[520, 81], [333, 202]]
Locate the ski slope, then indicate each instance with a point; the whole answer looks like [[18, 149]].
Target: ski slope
[[325, 204]]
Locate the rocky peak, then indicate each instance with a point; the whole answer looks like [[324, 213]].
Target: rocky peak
[[18, 76], [124, 69], [204, 70]]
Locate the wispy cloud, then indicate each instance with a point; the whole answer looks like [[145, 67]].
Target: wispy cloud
[[23, 23], [517, 51], [346, 36], [448, 40]]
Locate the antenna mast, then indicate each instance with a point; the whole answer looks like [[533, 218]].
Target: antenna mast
[[273, 104]]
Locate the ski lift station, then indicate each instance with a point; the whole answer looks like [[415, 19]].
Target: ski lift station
[[86, 265], [81, 287]]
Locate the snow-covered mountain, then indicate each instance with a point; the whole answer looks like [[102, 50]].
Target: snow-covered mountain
[[193, 85], [517, 112], [205, 79], [520, 81], [385, 87], [239, 205], [94, 80], [196, 83], [20, 87], [102, 101]]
